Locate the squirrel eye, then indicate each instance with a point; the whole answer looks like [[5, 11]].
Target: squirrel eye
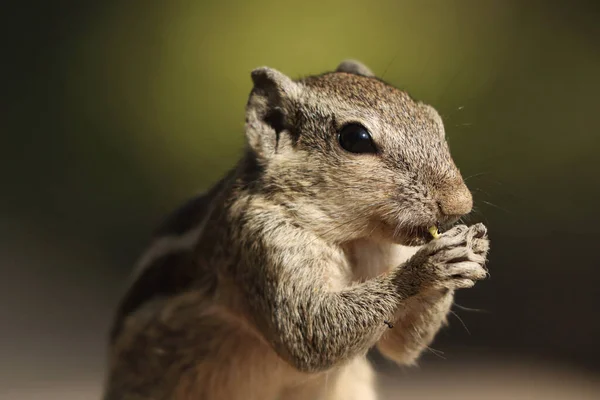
[[355, 138]]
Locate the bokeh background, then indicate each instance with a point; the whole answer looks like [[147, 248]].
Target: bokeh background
[[114, 112]]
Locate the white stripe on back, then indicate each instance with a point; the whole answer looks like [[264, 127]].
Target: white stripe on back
[[172, 244]]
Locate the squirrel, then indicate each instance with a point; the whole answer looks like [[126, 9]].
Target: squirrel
[[313, 249]]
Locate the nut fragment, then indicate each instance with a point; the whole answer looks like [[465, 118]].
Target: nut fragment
[[433, 230]]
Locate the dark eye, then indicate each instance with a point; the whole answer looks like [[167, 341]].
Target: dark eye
[[355, 138]]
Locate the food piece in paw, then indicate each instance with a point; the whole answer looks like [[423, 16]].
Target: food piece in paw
[[433, 230]]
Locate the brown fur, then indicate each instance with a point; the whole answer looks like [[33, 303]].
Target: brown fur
[[298, 257]]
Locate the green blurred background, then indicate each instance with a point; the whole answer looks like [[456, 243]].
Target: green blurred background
[[114, 112]]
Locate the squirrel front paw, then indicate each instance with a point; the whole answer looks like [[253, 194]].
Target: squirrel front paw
[[455, 260]]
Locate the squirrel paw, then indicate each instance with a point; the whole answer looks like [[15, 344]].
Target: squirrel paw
[[453, 261]]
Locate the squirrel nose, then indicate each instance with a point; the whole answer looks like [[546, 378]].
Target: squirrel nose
[[455, 201]]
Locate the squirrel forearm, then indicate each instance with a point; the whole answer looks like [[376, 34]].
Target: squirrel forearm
[[316, 330], [310, 325], [417, 322]]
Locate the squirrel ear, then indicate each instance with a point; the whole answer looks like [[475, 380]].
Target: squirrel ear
[[354, 67], [270, 80], [268, 109]]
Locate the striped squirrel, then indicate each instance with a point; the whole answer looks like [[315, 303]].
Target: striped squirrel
[[313, 249]]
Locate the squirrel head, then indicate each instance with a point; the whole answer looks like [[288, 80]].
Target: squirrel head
[[352, 156]]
